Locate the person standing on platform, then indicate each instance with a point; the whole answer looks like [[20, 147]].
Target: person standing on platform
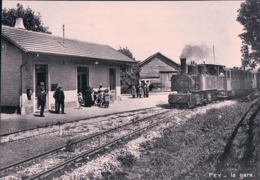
[[87, 98], [146, 91], [106, 98], [100, 98], [140, 91], [42, 101], [133, 91], [59, 95], [93, 96], [56, 102], [80, 99], [137, 90]]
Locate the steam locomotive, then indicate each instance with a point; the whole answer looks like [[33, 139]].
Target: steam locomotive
[[204, 83]]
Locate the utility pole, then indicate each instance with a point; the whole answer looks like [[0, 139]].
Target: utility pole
[[63, 27], [214, 54]]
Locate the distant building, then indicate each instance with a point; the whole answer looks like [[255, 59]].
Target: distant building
[[31, 60], [158, 70]]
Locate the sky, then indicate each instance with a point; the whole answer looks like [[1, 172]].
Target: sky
[[208, 30]]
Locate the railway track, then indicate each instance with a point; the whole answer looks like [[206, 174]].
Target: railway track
[[28, 133], [81, 169], [26, 163], [131, 129], [83, 119]]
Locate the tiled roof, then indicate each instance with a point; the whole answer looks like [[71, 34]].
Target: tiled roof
[[37, 42], [166, 69]]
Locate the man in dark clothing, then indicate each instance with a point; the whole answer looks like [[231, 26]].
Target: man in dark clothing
[[59, 96], [42, 101], [88, 98], [56, 102]]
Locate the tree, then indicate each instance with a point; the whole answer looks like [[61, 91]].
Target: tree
[[249, 17], [31, 20], [129, 72]]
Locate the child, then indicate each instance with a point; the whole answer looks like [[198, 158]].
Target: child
[[106, 98], [80, 99]]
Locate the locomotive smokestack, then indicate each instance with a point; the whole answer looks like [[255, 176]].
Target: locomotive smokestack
[[183, 66]]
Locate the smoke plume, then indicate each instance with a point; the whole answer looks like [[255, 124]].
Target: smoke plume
[[195, 52]]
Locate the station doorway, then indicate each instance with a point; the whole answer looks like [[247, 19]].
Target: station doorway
[[112, 81], [82, 79], [41, 78]]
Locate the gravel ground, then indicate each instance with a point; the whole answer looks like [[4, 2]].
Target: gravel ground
[[19, 147], [24, 148], [109, 162]]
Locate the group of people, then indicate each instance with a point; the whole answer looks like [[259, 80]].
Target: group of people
[[59, 97], [139, 91], [91, 97], [88, 98]]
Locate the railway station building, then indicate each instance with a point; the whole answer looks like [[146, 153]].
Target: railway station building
[[157, 70], [33, 60]]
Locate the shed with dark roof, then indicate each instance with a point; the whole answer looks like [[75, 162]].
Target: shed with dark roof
[[32, 60], [157, 70]]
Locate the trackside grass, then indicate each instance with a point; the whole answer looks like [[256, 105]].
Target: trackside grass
[[193, 149]]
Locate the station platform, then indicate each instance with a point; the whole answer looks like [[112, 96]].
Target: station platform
[[14, 122]]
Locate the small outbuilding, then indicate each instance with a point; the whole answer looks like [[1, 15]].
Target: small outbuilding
[[33, 60], [157, 71]]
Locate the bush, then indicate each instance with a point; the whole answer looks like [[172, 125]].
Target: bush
[[69, 146], [126, 160], [125, 89]]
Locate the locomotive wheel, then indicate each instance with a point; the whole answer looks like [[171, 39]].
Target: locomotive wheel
[[209, 97], [189, 106], [214, 97]]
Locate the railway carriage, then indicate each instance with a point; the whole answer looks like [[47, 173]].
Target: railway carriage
[[205, 83]]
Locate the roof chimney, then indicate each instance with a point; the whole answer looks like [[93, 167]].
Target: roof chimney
[[19, 23]]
